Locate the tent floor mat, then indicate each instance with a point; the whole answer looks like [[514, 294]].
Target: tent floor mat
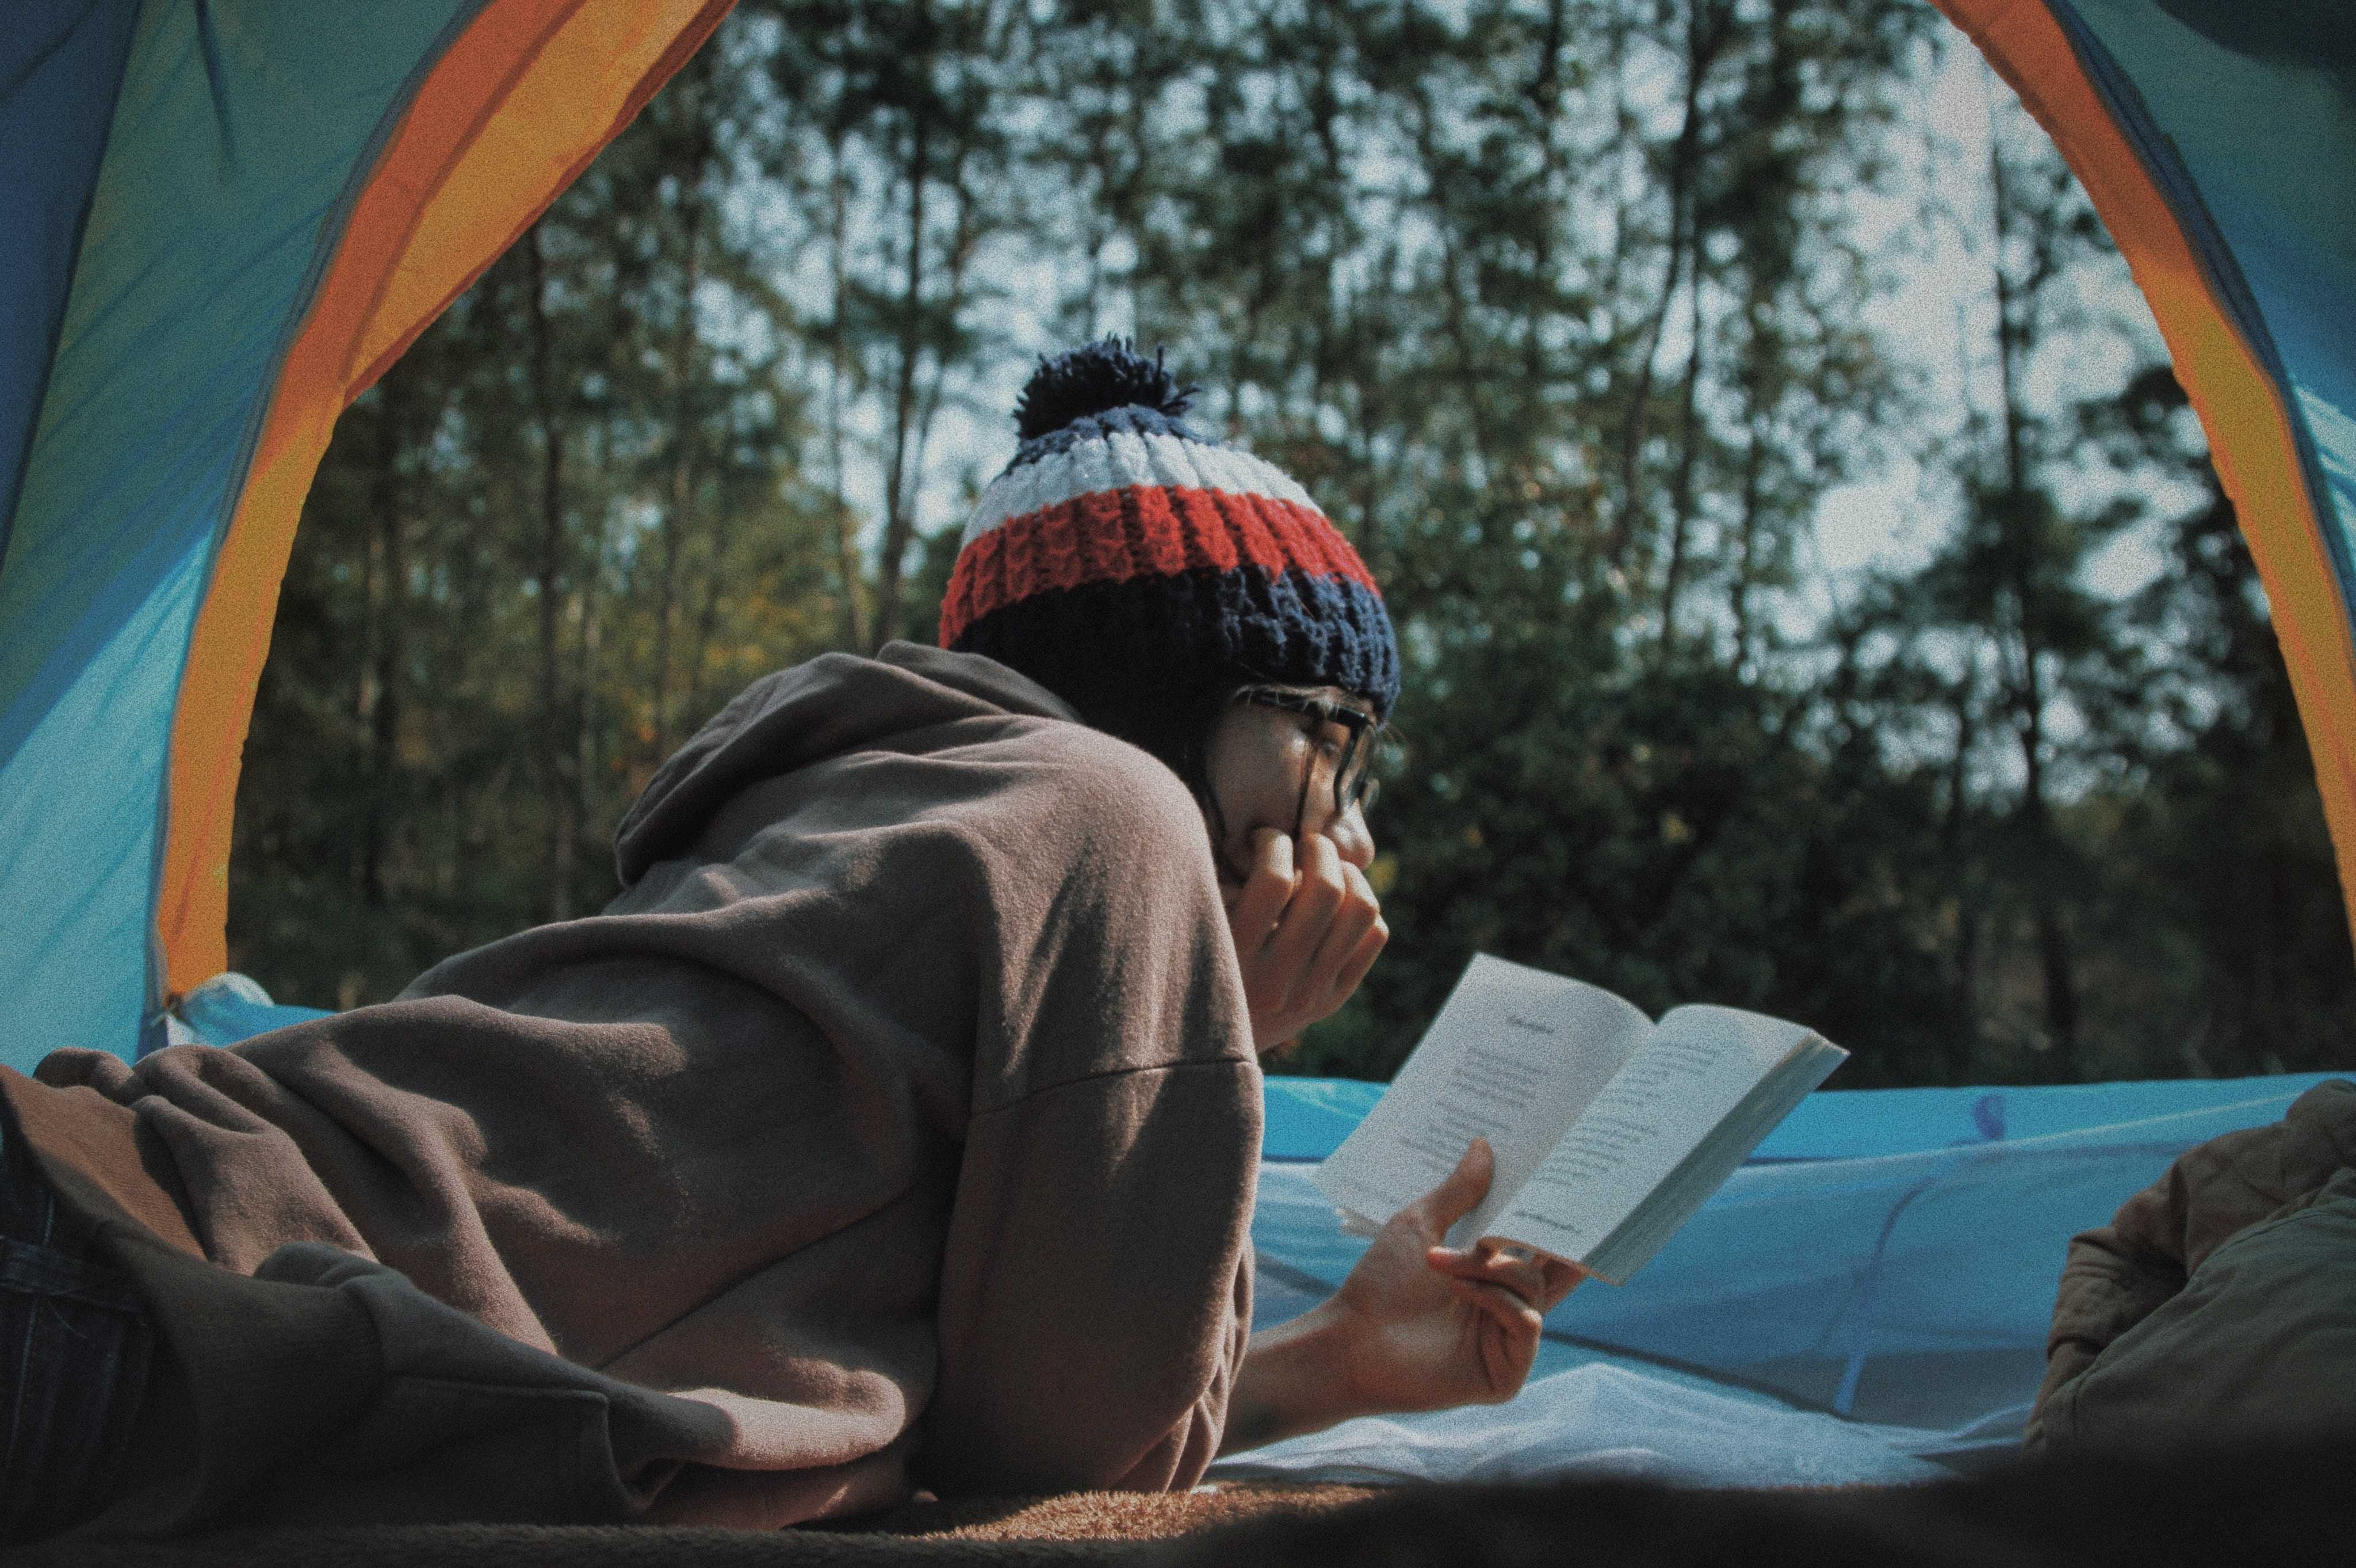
[[2275, 1501], [1105, 1516], [1074, 1527]]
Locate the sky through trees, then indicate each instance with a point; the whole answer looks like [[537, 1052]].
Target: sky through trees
[[1815, 593]]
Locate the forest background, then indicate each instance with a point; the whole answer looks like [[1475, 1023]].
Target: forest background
[[1606, 329]]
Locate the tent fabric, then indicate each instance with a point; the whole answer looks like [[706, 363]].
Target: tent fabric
[[229, 1008], [244, 210], [1308, 1117], [2214, 139], [64, 58], [450, 191], [1865, 1300]]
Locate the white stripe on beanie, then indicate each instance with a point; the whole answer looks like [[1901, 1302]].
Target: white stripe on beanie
[[1122, 458]]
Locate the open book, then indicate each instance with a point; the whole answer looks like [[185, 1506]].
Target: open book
[[1610, 1130]]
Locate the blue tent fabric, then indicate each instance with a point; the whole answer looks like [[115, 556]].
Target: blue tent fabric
[[59, 62], [2290, 212], [1865, 1300], [1308, 1117], [232, 1008], [238, 138], [221, 217]]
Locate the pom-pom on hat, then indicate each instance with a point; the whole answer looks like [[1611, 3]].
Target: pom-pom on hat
[[1123, 560]]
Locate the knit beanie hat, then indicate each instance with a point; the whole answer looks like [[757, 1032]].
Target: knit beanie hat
[[1125, 561]]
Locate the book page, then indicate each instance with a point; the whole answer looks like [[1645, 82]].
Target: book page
[[1704, 1171], [1697, 1067], [1514, 1056]]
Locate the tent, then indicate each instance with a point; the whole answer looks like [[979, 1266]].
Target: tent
[[230, 216], [226, 219]]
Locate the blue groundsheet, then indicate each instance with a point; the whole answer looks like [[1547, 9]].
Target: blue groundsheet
[[1865, 1300]]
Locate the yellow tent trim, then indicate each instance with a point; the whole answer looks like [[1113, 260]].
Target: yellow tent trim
[[524, 98]]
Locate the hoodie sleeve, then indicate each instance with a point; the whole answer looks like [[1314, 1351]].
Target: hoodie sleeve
[[1096, 1284]]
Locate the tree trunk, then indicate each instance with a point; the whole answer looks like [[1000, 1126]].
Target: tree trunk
[[1681, 490], [846, 528], [1708, 26], [683, 472], [1746, 571], [900, 485], [707, 619], [962, 239], [380, 689], [559, 791], [1963, 1039], [590, 596], [2025, 672]]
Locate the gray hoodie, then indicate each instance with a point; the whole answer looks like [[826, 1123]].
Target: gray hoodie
[[896, 1125]]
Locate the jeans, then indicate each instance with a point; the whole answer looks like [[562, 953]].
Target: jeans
[[75, 1345]]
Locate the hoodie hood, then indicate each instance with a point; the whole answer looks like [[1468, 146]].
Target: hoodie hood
[[834, 704]]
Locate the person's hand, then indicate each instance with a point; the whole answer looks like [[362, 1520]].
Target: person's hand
[[1306, 933], [1423, 1326], [1418, 1326]]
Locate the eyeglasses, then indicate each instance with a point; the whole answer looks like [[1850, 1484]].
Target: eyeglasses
[[1350, 768]]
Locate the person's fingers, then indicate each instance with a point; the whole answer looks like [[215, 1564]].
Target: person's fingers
[[1525, 1277], [1261, 902], [1353, 918], [1561, 1279], [1316, 896], [1541, 1280], [1353, 969], [1460, 1193], [1509, 1342], [1501, 1306], [1308, 927]]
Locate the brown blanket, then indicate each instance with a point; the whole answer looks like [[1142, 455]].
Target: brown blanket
[[2220, 1299], [1082, 1527], [2275, 1505]]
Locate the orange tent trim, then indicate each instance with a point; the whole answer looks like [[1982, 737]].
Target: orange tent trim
[[2246, 414], [524, 98]]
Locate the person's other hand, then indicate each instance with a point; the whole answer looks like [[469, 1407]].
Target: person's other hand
[[1307, 926], [1424, 1326]]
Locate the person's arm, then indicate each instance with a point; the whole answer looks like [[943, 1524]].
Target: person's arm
[[1095, 1290], [1417, 1326]]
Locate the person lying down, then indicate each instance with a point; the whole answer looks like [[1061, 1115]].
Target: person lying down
[[894, 1128]]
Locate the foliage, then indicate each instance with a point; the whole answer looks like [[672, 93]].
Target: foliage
[[1567, 314]]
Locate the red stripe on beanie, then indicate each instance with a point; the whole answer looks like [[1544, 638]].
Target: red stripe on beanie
[[1138, 530]]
